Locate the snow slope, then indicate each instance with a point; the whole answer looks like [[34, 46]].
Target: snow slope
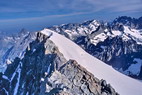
[[123, 84]]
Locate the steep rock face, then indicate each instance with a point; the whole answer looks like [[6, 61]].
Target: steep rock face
[[128, 21], [25, 76], [118, 43], [73, 79], [44, 71], [14, 46]]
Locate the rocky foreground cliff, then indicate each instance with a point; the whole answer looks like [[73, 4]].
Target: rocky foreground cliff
[[44, 71]]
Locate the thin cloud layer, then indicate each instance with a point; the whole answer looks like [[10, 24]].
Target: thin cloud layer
[[58, 7]]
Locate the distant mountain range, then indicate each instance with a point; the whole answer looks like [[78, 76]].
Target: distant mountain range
[[118, 43]]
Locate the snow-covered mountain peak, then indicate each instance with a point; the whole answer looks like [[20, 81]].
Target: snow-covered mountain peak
[[23, 32], [128, 21], [93, 22], [102, 71], [126, 34], [129, 34], [47, 32]]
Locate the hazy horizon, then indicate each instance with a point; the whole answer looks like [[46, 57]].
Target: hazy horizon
[[34, 15]]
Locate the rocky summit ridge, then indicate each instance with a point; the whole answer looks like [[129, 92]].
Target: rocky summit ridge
[[44, 71]]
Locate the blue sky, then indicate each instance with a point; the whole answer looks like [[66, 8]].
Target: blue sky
[[37, 14]]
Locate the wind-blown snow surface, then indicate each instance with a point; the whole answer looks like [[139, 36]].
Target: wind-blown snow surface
[[124, 85]]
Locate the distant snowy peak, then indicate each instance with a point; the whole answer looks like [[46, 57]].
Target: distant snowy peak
[[23, 32], [126, 34], [99, 31], [74, 30], [126, 27], [128, 21]]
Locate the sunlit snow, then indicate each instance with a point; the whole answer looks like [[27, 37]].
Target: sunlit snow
[[123, 84]]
